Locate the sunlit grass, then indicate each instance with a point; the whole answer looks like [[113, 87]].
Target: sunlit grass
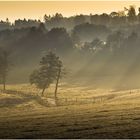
[[110, 118]]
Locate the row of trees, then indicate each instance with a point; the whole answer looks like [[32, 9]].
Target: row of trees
[[124, 17], [28, 44], [128, 15], [85, 43]]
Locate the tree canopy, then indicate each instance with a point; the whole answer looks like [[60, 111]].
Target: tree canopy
[[47, 73]]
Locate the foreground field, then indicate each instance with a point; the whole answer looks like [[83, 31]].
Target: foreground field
[[109, 113]]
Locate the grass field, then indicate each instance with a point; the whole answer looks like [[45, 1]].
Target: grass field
[[109, 114]]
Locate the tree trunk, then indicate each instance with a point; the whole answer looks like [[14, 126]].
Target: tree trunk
[[43, 91], [57, 81], [3, 86], [4, 83]]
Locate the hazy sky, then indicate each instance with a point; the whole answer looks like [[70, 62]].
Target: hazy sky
[[36, 9]]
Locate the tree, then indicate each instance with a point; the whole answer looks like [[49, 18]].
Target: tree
[[104, 18], [56, 20], [131, 14], [114, 14], [46, 18], [63, 42], [79, 19], [49, 71], [58, 76], [94, 19], [4, 67], [118, 18]]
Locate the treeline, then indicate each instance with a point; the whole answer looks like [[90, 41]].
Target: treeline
[[91, 49], [124, 17]]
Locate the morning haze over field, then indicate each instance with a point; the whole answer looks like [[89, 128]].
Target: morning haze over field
[[69, 69]]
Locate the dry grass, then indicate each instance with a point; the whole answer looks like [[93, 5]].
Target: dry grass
[[118, 116]]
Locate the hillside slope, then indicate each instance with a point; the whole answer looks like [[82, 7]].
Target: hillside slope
[[25, 116]]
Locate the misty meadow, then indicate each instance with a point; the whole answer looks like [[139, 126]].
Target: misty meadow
[[71, 77]]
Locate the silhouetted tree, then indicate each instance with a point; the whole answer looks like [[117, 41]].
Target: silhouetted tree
[[47, 18], [56, 20], [114, 14], [131, 14], [118, 18], [49, 71]]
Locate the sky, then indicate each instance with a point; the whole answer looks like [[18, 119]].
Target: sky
[[36, 9]]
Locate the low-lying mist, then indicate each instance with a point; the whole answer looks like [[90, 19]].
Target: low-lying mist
[[98, 50], [98, 70]]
